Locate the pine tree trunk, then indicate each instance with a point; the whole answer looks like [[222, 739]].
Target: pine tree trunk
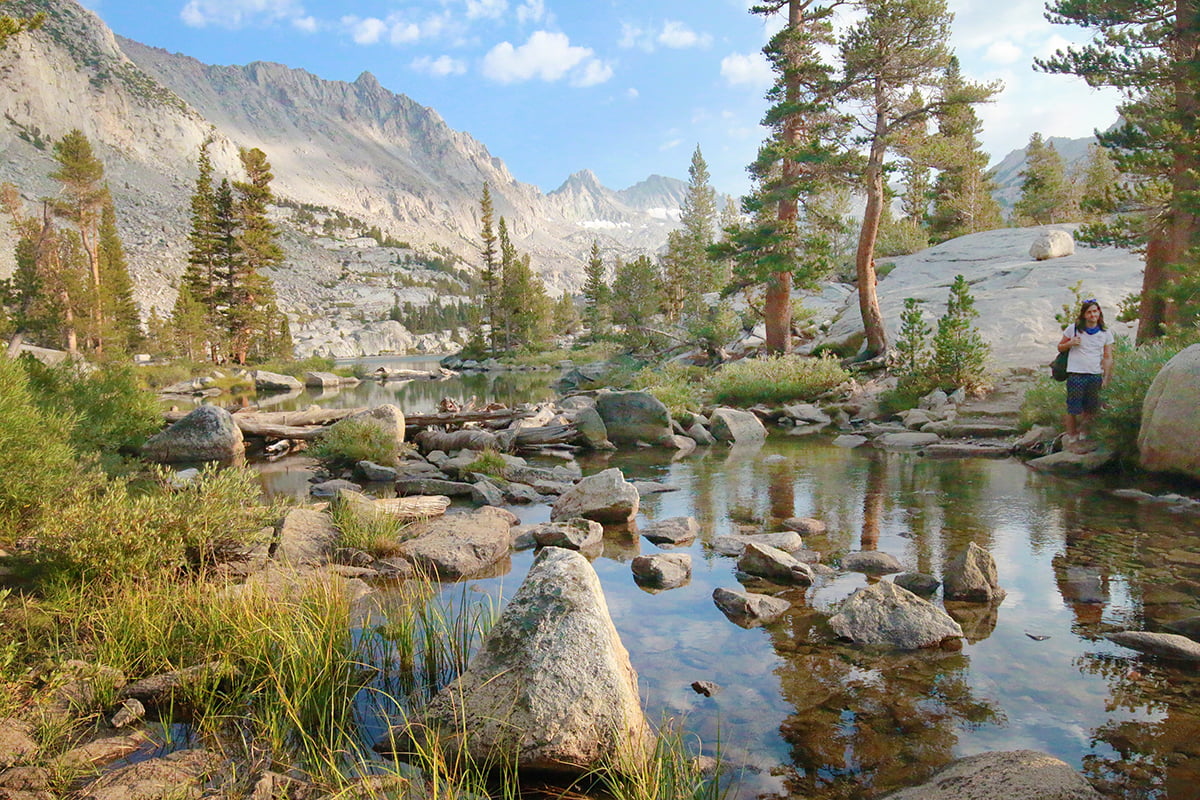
[[864, 262], [93, 254]]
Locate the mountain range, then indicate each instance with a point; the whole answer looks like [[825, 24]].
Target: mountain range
[[353, 152]]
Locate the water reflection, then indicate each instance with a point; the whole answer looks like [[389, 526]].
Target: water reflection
[[807, 716]]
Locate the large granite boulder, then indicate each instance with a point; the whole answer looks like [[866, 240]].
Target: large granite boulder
[[1012, 775], [631, 417], [886, 614], [458, 545], [737, 426], [274, 382], [591, 428], [387, 416], [1169, 439], [551, 688], [571, 534], [605, 497], [1052, 243], [971, 576], [206, 434]]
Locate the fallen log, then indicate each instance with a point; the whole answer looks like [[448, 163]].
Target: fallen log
[[417, 507], [457, 418], [309, 424], [516, 439]]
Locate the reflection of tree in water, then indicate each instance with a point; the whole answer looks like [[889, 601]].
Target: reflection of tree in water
[[869, 722], [1153, 759]]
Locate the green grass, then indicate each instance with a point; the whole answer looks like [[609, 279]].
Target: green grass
[[489, 462], [680, 388], [775, 379]]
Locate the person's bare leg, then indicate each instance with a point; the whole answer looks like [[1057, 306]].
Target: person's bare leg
[[1072, 424]]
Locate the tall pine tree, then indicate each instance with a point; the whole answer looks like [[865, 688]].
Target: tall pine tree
[[491, 273], [596, 310], [122, 328], [81, 201]]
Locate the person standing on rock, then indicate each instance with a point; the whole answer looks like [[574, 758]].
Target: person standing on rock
[[1089, 369]]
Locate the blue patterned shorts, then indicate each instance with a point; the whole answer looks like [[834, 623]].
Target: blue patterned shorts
[[1083, 392]]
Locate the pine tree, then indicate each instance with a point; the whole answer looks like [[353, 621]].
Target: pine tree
[[1148, 51], [82, 198], [912, 345], [122, 327], [1099, 185], [898, 48], [596, 311], [783, 238], [491, 268], [963, 201], [200, 275], [251, 311], [524, 308], [636, 299], [1046, 194], [688, 269], [959, 351], [566, 315], [188, 327]]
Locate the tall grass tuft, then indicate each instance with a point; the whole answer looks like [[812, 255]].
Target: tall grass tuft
[[679, 387], [671, 772], [365, 528], [775, 379]]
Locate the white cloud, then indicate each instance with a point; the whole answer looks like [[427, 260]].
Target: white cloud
[[239, 13], [486, 9], [632, 93], [531, 11], [591, 73], [1003, 52], [747, 69], [546, 56], [677, 35], [439, 67], [634, 36], [670, 144], [404, 33], [306, 24], [365, 31]]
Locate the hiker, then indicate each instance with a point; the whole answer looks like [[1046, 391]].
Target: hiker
[[1089, 369]]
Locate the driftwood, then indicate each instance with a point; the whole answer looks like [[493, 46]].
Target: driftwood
[[536, 437], [465, 439], [416, 507], [385, 374], [458, 418]]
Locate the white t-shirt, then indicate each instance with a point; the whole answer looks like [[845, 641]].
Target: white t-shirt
[[1087, 357]]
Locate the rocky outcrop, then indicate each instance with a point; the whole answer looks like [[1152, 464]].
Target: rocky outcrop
[[1169, 439], [551, 687], [459, 545], [886, 614], [572, 534], [632, 417], [206, 434], [605, 497], [1012, 775]]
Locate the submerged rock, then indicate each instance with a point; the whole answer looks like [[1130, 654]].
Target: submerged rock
[[551, 687]]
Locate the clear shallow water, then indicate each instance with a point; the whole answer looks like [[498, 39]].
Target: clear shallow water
[[807, 716]]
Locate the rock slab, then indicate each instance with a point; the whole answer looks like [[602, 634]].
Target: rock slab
[[1012, 775], [605, 497], [458, 545], [886, 614]]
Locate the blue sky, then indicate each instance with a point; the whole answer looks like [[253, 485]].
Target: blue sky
[[621, 87]]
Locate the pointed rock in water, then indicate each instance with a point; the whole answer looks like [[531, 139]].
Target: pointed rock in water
[[551, 687], [605, 497], [1012, 775], [1167, 645], [206, 434], [748, 609], [885, 613], [971, 576]]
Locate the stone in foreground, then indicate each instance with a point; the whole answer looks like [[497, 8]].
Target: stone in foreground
[[605, 497], [1169, 439], [1012, 775], [206, 434], [749, 609], [737, 426], [551, 688], [886, 614], [775, 565]]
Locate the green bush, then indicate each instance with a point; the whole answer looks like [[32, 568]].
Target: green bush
[[679, 387], [489, 462], [125, 531], [776, 379], [112, 413], [37, 463], [350, 441]]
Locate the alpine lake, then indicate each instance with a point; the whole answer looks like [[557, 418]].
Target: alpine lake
[[799, 714]]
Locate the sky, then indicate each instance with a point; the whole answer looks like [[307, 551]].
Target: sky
[[625, 88]]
